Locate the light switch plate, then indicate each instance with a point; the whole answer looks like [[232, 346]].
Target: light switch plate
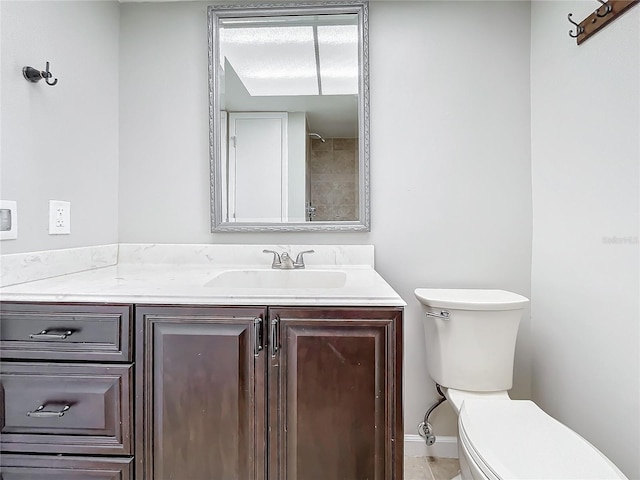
[[59, 217], [8, 220]]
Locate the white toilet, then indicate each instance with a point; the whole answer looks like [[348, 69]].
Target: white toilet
[[470, 339]]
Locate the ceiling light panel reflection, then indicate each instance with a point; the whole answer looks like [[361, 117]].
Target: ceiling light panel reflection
[[338, 52], [272, 60]]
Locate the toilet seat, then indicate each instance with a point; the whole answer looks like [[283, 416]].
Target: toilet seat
[[517, 440]]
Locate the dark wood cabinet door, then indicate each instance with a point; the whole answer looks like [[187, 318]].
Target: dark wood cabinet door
[[335, 394], [201, 394]]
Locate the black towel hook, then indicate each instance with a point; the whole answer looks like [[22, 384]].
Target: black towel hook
[[607, 6], [34, 75], [579, 30]]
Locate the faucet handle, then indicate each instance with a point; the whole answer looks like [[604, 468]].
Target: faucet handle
[[276, 258], [300, 259]]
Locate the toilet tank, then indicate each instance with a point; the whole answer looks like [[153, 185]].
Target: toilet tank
[[471, 336]]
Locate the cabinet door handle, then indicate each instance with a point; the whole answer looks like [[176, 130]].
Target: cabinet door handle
[[257, 336], [45, 335], [274, 337], [40, 412]]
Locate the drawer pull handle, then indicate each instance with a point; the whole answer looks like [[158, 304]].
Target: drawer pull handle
[[45, 335], [40, 412]]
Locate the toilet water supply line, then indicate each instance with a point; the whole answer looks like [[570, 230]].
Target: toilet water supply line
[[425, 430]]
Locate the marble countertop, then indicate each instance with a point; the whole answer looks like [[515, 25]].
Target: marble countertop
[[147, 275]]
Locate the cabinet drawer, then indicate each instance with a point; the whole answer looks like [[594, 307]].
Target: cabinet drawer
[[65, 408], [47, 467], [65, 332]]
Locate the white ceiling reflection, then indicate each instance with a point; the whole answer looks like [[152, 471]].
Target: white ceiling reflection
[[293, 59]]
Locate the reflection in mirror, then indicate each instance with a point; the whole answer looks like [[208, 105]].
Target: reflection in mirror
[[289, 117]]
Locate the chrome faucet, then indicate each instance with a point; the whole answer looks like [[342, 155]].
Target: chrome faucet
[[299, 263], [285, 262]]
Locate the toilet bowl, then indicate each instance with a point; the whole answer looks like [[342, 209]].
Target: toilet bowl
[[470, 337]]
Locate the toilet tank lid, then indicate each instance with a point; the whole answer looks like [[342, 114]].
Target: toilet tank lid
[[517, 440], [470, 299]]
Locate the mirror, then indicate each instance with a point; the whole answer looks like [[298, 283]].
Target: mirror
[[289, 117]]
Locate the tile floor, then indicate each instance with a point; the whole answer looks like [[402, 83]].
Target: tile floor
[[430, 468]]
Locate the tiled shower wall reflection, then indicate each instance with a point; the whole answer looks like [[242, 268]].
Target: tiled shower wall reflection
[[333, 168]]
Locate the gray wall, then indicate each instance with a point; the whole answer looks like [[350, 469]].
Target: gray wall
[[585, 164], [61, 142], [450, 152], [450, 156], [124, 137], [450, 163]]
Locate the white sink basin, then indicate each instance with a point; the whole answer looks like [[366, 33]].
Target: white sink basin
[[279, 279]]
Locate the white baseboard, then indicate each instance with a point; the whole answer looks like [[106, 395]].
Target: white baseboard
[[445, 447]]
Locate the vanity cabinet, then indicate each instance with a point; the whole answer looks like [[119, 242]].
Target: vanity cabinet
[[255, 393], [66, 381], [215, 392]]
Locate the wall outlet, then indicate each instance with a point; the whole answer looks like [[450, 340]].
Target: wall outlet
[[8, 220], [59, 217]]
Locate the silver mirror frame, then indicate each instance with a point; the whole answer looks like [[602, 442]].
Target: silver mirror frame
[[216, 12]]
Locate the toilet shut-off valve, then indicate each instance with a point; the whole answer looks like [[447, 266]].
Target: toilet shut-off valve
[[425, 430]]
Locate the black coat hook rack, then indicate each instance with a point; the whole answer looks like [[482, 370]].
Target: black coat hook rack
[[34, 75], [606, 12]]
